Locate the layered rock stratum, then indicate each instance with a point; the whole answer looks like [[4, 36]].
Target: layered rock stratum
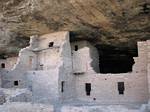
[[118, 23]]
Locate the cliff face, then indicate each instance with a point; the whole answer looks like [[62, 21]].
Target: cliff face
[[106, 22]]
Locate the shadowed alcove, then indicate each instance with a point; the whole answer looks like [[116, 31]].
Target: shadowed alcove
[[115, 59]]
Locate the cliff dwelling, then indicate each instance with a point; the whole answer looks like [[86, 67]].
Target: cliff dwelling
[[53, 70], [74, 55]]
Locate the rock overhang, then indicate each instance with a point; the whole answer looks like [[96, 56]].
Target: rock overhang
[[112, 23]]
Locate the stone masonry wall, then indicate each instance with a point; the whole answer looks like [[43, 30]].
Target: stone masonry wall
[[46, 83], [86, 58], [104, 87]]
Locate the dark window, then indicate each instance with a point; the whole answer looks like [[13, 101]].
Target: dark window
[[62, 86], [3, 65], [51, 44], [94, 99], [16, 83], [121, 88], [88, 88], [75, 47]]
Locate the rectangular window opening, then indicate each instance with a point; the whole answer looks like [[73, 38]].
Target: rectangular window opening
[[62, 86], [16, 83], [3, 65], [121, 88], [88, 89]]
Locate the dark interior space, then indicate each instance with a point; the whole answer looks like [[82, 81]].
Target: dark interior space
[[116, 59]]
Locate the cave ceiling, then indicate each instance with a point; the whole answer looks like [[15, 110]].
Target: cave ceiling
[[117, 23]]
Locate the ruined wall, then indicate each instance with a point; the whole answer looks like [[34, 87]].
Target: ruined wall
[[46, 83], [104, 87], [25, 62], [9, 62], [85, 58], [141, 61], [59, 63], [65, 73], [44, 86], [58, 38], [48, 59]]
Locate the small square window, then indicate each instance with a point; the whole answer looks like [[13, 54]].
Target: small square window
[[3, 65], [51, 44], [16, 83]]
